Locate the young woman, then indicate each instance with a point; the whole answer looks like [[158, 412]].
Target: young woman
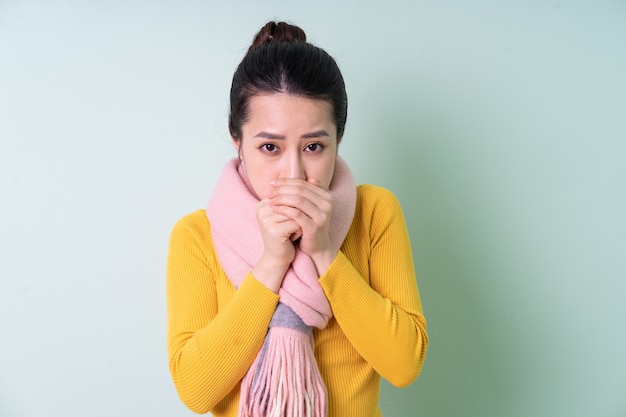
[[294, 291]]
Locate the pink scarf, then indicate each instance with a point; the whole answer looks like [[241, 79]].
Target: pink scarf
[[284, 379]]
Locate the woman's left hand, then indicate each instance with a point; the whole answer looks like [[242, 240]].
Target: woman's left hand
[[310, 205]]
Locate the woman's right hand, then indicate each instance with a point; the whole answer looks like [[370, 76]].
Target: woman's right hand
[[278, 233]]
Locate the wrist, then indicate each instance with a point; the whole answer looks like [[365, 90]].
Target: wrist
[[270, 273], [323, 260]]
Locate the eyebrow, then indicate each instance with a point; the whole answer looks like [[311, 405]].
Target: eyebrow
[[316, 134]]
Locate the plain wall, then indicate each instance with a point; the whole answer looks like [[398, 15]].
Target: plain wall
[[500, 126]]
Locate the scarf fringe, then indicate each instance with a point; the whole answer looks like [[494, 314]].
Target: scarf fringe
[[284, 381]]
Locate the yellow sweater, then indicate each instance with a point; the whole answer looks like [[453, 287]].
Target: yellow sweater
[[378, 328]]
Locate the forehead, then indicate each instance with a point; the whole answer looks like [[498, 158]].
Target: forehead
[[285, 108]]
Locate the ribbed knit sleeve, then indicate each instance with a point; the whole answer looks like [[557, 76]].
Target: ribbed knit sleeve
[[372, 289], [214, 332]]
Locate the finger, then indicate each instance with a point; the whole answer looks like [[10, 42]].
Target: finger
[[285, 181], [302, 210], [313, 206], [265, 211], [307, 225], [290, 232], [275, 224], [312, 185], [286, 230], [318, 183], [296, 193], [296, 235]]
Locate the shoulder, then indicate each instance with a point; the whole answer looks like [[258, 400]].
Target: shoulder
[[378, 213], [373, 198], [194, 226], [376, 208]]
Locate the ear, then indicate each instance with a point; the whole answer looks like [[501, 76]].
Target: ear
[[237, 145]]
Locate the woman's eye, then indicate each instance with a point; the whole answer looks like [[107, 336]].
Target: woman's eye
[[314, 147], [268, 147]]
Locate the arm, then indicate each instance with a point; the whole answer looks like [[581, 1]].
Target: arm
[[211, 342], [382, 318]]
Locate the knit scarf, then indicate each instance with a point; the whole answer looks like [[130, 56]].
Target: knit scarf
[[284, 379]]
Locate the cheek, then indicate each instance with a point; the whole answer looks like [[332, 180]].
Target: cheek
[[251, 172], [260, 186], [325, 174], [260, 181]]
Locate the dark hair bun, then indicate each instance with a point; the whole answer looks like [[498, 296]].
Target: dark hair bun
[[280, 60], [277, 32]]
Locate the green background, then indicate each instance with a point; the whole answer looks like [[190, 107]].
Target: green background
[[500, 126]]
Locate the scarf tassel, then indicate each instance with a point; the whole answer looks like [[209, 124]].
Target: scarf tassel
[[284, 380]]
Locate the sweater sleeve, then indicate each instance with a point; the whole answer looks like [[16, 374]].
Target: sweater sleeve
[[210, 345], [381, 315]]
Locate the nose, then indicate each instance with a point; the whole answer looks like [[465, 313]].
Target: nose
[[295, 167]]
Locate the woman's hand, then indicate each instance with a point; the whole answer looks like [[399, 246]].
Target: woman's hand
[[278, 233], [309, 204]]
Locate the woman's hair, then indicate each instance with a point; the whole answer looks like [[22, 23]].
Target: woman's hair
[[281, 61]]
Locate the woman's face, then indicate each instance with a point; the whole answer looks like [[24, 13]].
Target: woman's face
[[288, 137]]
